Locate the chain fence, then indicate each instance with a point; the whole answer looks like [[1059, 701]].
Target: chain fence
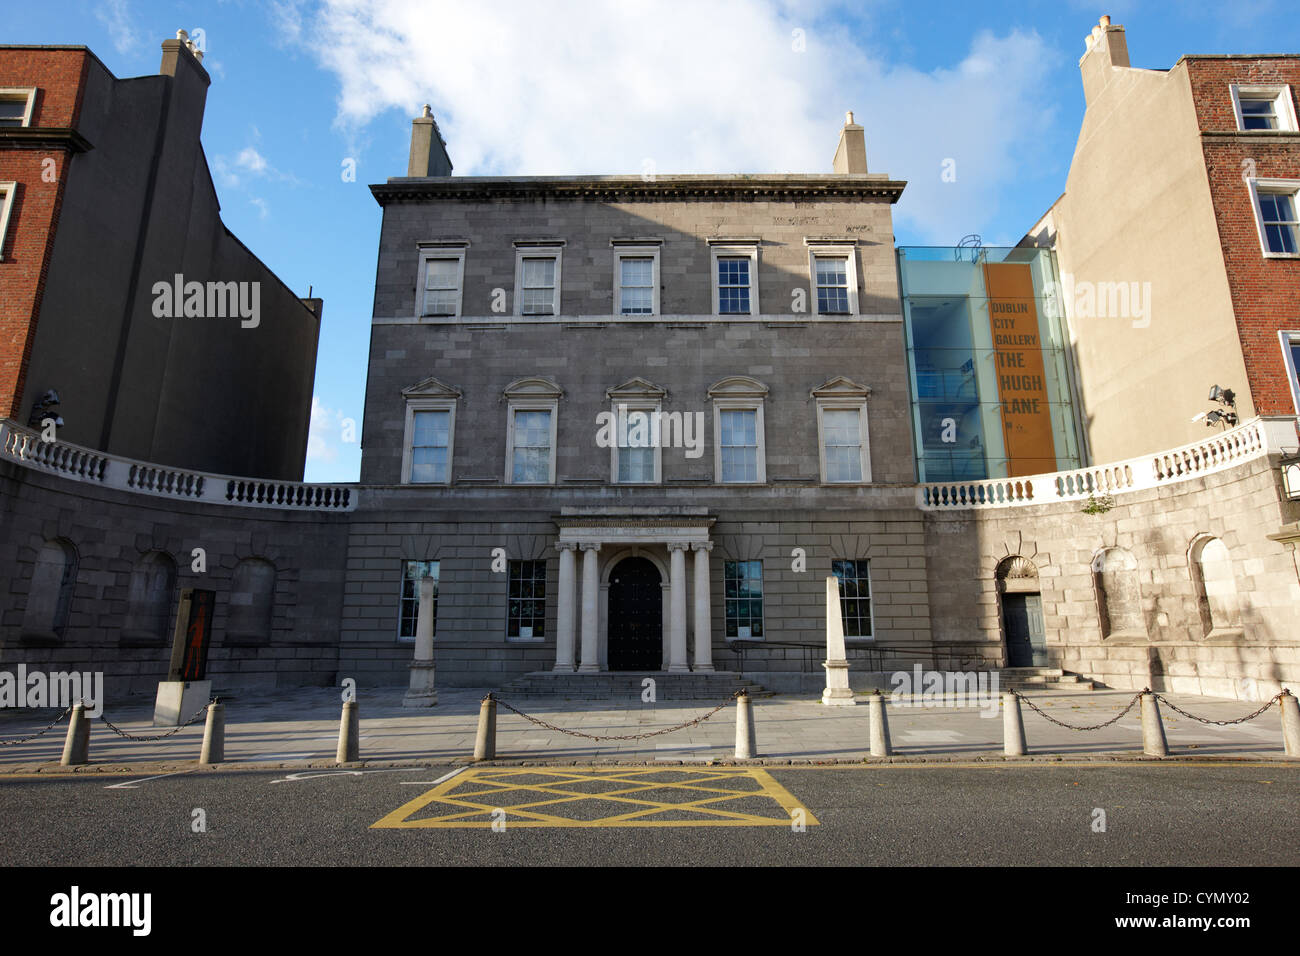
[[1222, 723], [693, 722], [1060, 723], [175, 730], [111, 726], [45, 729], [1137, 697], [578, 733]]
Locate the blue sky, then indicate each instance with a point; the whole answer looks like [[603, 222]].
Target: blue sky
[[302, 87]]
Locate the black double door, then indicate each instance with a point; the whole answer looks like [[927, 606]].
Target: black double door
[[636, 614]]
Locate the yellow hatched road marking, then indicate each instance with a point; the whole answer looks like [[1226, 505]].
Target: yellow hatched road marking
[[460, 798]]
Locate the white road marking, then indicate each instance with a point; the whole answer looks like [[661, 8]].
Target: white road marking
[[311, 774], [429, 783], [131, 784]]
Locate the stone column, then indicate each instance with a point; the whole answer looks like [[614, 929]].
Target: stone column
[[703, 613], [422, 692], [677, 610], [590, 609], [837, 691], [564, 617]]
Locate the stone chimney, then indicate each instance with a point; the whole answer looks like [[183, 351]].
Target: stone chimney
[[182, 60], [428, 149], [1105, 48], [851, 153]]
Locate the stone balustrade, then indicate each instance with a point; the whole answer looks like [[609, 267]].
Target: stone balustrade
[[24, 446], [1252, 439]]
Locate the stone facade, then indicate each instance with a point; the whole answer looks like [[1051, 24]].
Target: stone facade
[[1177, 645], [684, 358], [109, 534], [935, 574]]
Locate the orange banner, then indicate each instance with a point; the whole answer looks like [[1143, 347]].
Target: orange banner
[[1018, 361]]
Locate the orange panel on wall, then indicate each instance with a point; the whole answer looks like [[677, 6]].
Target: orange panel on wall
[[1018, 358]]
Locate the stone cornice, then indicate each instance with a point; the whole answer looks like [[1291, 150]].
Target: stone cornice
[[627, 188], [43, 137], [634, 521]]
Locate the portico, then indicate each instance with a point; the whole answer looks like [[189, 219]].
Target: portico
[[610, 598]]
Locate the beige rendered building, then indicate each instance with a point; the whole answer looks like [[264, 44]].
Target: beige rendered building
[[1177, 273]]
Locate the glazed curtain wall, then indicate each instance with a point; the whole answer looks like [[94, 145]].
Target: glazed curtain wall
[[988, 363]]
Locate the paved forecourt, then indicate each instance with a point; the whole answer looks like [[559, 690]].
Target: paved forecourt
[[301, 726]]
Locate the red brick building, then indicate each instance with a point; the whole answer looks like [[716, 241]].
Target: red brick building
[[1178, 244], [1246, 108], [38, 137], [105, 192]]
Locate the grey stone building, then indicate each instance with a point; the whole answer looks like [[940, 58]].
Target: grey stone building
[[633, 423]]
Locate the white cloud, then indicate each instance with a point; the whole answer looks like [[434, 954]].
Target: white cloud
[[263, 210], [248, 164], [115, 16], [711, 86], [251, 160], [324, 433], [287, 20]]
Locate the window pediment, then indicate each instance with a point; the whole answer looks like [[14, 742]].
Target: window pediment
[[532, 388], [636, 388], [431, 388], [738, 386], [841, 387]]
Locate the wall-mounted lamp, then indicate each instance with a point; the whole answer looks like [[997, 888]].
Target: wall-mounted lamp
[[1291, 478], [1227, 415]]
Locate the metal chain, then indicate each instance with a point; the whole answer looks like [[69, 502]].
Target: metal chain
[[1222, 723], [1061, 723], [122, 733], [23, 740], [577, 733]]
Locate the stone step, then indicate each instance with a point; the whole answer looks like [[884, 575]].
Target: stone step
[[1075, 684], [1012, 672], [1041, 679]]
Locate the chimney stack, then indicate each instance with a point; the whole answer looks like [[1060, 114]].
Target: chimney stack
[[182, 60], [851, 153], [1105, 48], [428, 149]]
